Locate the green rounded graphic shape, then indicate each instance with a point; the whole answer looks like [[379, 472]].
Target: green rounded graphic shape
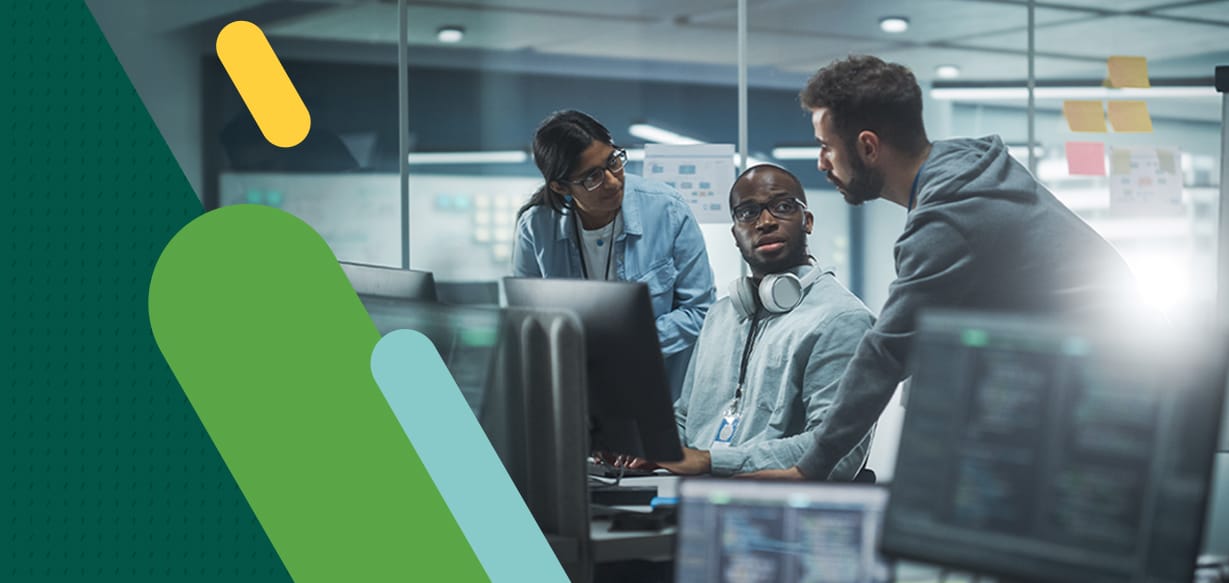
[[273, 349]]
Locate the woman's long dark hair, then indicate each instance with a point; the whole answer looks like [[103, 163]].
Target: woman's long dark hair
[[557, 145]]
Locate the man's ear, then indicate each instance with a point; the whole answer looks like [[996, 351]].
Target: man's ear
[[808, 222], [869, 146]]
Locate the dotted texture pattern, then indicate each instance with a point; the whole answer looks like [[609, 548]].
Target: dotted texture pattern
[[105, 470]]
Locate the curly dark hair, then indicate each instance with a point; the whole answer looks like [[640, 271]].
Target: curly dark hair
[[864, 93]]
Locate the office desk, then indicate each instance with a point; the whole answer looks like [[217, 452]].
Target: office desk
[[649, 545], [667, 485]]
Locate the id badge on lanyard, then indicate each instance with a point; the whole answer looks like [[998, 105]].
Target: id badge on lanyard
[[727, 429], [729, 420]]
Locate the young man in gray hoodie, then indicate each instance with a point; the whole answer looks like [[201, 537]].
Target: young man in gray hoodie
[[981, 234]]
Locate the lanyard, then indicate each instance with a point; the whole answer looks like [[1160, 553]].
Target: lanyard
[[580, 245], [913, 189], [742, 367]]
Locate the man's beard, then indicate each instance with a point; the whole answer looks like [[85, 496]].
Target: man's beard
[[865, 185]]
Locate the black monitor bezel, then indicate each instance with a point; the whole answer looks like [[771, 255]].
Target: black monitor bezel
[[616, 316], [390, 282], [1012, 566], [785, 484]]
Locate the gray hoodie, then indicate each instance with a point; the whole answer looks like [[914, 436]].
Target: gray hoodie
[[984, 235]]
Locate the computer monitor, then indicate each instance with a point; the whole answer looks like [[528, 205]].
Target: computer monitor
[[735, 530], [1044, 451], [468, 293], [629, 395], [466, 337], [390, 282]]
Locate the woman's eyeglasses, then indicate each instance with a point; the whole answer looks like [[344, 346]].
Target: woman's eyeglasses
[[782, 208], [597, 177]]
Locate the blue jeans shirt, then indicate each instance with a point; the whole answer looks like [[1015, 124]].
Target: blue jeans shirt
[[660, 245], [796, 361]]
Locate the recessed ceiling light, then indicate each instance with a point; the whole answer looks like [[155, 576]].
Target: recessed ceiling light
[[653, 133], [894, 24], [488, 157], [1058, 93], [947, 71], [450, 34], [796, 152]]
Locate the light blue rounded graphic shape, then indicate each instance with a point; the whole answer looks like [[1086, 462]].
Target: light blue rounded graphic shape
[[459, 457]]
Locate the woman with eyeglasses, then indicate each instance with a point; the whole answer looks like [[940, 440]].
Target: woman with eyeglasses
[[592, 220]]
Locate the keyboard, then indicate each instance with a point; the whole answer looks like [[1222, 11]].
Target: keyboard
[[607, 471]]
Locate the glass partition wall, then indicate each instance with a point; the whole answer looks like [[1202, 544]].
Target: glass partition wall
[[650, 72], [479, 75]]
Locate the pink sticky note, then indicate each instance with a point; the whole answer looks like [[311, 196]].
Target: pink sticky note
[[1086, 158]]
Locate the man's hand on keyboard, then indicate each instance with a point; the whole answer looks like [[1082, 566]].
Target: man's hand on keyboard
[[623, 461], [639, 464]]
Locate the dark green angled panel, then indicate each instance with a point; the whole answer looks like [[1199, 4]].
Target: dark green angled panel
[[105, 470]]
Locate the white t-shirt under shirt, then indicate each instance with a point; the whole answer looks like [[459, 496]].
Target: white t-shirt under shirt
[[599, 248]]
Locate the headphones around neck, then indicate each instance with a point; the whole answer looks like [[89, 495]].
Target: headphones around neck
[[777, 293]]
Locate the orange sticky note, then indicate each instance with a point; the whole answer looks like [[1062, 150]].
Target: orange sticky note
[[1130, 116], [1128, 72], [1086, 158], [1084, 116]]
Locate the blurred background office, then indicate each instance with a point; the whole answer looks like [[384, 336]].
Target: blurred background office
[[479, 75]]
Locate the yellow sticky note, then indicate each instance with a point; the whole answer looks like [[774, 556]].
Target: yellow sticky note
[[1130, 116], [1128, 72], [1120, 161], [1084, 116], [1167, 159]]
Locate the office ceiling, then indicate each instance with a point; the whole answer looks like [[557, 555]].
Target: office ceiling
[[987, 39], [696, 40]]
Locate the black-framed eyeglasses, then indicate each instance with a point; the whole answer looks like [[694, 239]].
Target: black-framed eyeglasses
[[782, 208], [596, 178]]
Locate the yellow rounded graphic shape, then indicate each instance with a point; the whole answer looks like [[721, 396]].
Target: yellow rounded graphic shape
[[263, 84]]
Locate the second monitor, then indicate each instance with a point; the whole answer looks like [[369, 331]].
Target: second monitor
[[629, 394], [747, 530], [1051, 451]]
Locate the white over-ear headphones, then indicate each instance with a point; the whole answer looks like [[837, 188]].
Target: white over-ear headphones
[[777, 293]]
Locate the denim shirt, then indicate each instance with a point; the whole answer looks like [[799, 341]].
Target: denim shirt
[[795, 363], [660, 245]]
